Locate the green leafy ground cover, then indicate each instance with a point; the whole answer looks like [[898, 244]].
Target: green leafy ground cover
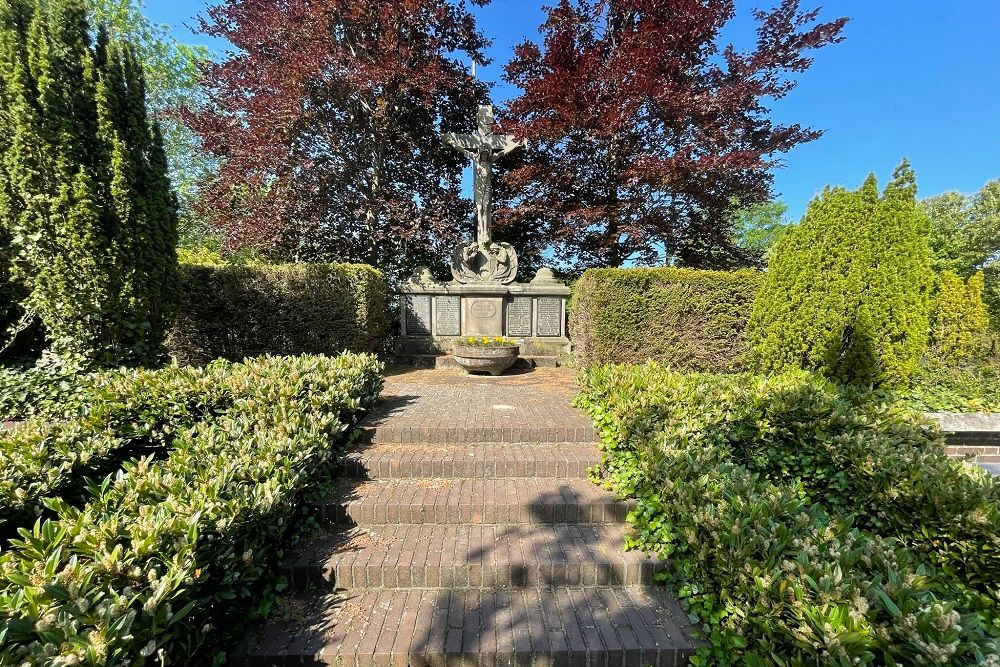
[[807, 523], [942, 387], [169, 554]]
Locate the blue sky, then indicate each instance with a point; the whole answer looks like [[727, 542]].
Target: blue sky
[[914, 78]]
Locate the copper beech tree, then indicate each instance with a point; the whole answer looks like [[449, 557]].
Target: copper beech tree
[[645, 132], [327, 120]]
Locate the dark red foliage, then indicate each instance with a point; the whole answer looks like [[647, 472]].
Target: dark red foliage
[[327, 120], [644, 132]]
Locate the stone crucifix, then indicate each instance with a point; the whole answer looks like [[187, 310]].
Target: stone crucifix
[[484, 148]]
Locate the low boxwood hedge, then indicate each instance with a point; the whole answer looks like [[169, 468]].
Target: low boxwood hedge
[[170, 550], [806, 523], [687, 318], [235, 312]]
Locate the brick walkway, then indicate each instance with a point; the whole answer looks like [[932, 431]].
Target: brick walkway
[[467, 533], [449, 407]]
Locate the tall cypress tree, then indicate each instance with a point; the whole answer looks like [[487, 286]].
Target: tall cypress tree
[[847, 289], [88, 202]]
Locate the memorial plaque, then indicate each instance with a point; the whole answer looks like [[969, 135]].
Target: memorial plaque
[[484, 309], [418, 315], [482, 317], [549, 316], [519, 316], [448, 317]]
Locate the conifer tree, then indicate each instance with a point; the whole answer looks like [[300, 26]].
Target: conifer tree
[[92, 219], [959, 318], [847, 289]]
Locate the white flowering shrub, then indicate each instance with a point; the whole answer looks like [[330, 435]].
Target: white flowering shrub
[[761, 492], [126, 414], [169, 549]]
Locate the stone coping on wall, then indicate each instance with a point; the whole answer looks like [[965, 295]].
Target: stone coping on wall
[[514, 289], [975, 435], [977, 422]]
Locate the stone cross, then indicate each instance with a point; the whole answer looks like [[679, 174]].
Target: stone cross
[[484, 148]]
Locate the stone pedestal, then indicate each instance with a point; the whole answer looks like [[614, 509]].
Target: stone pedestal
[[434, 314]]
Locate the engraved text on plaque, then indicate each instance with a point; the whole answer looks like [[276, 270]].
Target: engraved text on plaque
[[418, 315], [519, 316], [448, 318], [549, 316]]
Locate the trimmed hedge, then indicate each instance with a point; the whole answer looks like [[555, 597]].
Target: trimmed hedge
[[44, 391], [236, 312], [167, 551], [686, 318], [807, 523]]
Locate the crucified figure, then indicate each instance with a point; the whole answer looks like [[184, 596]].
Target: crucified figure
[[484, 149]]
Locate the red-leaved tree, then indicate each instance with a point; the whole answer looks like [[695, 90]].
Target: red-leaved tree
[[645, 132], [327, 121]]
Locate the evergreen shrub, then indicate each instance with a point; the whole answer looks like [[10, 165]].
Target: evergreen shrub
[[84, 192], [93, 424], [806, 522], [9, 297], [959, 318], [945, 386], [687, 318], [169, 554], [52, 391], [234, 312], [847, 289]]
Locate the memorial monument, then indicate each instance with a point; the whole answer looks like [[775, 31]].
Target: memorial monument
[[483, 297]]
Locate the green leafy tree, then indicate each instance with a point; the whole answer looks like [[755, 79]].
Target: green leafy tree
[[87, 198], [959, 319], [965, 231], [759, 227], [847, 289], [965, 237]]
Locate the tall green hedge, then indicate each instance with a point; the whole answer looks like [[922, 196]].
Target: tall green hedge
[[847, 289], [84, 191], [686, 318], [234, 312], [9, 297]]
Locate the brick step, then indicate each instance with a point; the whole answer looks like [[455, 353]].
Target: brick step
[[381, 461], [483, 429], [484, 556], [439, 627], [470, 501]]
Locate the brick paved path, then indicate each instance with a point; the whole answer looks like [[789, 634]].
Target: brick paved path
[[467, 533]]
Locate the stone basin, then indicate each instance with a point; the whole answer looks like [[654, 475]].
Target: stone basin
[[492, 360]]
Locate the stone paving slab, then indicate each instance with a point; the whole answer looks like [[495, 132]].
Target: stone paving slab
[[429, 407], [480, 461], [469, 556], [980, 454], [583, 627], [471, 501]]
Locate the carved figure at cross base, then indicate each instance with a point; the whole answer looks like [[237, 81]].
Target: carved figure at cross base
[[483, 260]]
